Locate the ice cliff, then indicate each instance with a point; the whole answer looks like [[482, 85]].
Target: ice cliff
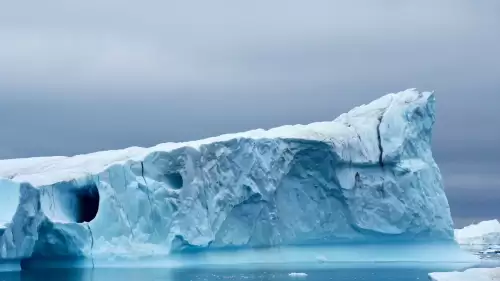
[[368, 176]]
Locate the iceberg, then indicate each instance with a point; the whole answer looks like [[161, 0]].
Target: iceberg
[[476, 274], [484, 233], [367, 177], [482, 238]]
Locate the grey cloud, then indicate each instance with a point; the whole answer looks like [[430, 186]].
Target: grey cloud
[[473, 188], [473, 205], [99, 75], [124, 47]]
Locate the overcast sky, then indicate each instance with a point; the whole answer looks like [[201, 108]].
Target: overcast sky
[[92, 75]]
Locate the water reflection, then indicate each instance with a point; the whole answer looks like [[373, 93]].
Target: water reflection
[[207, 274], [320, 264]]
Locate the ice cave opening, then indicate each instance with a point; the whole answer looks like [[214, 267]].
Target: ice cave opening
[[175, 180], [69, 202], [87, 206]]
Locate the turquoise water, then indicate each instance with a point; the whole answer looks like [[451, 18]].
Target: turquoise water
[[385, 273], [372, 264]]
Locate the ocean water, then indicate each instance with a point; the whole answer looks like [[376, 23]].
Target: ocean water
[[385, 273], [353, 263]]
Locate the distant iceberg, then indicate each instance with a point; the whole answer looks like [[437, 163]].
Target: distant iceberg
[[483, 233], [366, 177]]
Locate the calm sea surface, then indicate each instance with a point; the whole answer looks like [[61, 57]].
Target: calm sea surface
[[385, 273], [335, 271]]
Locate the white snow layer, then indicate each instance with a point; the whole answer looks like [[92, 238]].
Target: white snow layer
[[367, 176], [483, 233], [474, 274]]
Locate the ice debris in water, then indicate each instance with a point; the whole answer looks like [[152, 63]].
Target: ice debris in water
[[298, 274]]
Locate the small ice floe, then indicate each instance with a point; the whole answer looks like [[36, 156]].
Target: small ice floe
[[298, 275], [491, 251], [495, 249], [321, 259]]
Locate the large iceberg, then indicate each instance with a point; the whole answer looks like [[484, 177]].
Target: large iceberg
[[366, 177]]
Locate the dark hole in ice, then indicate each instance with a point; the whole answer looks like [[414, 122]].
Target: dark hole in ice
[[87, 198], [175, 180], [70, 201]]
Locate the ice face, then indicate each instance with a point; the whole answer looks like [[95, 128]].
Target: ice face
[[9, 202], [366, 177]]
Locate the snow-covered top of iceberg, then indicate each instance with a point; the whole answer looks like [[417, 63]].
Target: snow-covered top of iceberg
[[474, 274], [475, 233], [48, 170]]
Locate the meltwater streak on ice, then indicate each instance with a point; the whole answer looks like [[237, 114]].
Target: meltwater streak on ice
[[366, 177]]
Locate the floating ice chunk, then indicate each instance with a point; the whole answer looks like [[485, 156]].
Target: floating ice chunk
[[322, 259], [298, 275], [474, 274]]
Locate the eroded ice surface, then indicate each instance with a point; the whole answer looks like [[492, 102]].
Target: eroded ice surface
[[474, 274], [366, 177]]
